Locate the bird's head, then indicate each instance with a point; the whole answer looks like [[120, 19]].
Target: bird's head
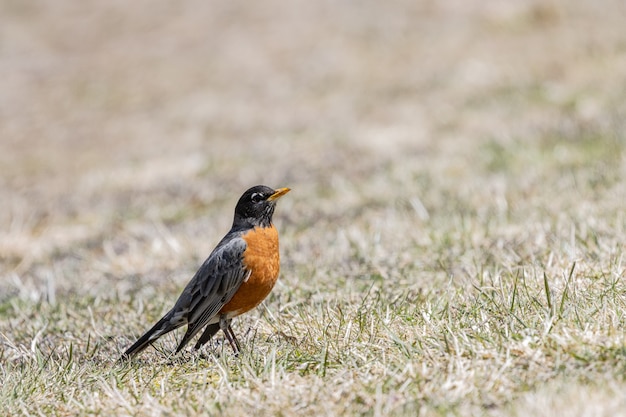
[[256, 206]]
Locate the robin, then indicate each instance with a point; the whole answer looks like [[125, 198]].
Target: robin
[[239, 273]]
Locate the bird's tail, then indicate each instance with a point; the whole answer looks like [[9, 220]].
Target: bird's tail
[[163, 326]]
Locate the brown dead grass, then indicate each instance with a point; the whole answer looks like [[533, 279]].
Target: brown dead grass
[[454, 244]]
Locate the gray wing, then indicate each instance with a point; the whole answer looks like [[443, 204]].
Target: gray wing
[[215, 283]]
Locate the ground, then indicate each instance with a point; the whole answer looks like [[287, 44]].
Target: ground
[[453, 245]]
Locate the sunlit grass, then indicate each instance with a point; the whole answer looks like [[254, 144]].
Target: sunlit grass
[[453, 244]]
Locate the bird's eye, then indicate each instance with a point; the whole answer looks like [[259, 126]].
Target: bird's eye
[[256, 197]]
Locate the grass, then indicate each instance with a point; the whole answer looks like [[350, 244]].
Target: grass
[[453, 244]]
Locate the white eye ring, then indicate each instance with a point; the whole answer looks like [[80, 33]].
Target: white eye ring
[[256, 197]]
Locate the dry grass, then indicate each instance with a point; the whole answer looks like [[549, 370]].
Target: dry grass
[[455, 240]]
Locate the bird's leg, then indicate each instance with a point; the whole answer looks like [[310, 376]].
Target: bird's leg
[[230, 335]]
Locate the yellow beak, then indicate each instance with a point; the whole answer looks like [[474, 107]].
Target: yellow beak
[[278, 194]]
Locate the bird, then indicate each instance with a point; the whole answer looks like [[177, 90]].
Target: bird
[[236, 277]]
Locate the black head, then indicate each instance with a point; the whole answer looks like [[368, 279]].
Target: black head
[[256, 206]]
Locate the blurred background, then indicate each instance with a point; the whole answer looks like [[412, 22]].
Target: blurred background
[[129, 129]]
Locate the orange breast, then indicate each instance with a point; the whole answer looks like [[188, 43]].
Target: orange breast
[[263, 259]]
